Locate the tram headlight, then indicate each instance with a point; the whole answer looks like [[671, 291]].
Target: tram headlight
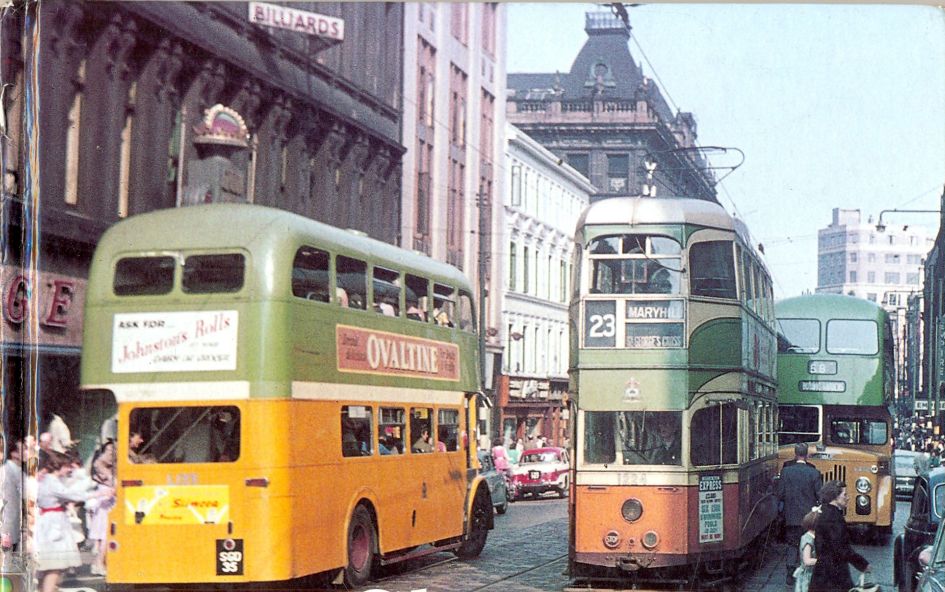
[[651, 539], [632, 510], [863, 485]]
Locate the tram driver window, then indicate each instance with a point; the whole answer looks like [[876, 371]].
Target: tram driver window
[[356, 431]]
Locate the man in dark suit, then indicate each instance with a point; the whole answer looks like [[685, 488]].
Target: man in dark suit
[[797, 490]]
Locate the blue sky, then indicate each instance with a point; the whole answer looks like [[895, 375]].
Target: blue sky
[[833, 105]]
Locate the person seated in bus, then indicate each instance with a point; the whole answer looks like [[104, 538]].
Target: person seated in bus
[[386, 309], [414, 312], [341, 297], [387, 445], [442, 317], [423, 443], [443, 435]]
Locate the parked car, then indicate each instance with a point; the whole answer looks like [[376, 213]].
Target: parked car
[[541, 470], [925, 514], [932, 562], [905, 470], [496, 481]]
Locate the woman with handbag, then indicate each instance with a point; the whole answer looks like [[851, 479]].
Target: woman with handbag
[[832, 543]]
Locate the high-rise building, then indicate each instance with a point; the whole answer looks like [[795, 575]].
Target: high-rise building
[[453, 125], [883, 264]]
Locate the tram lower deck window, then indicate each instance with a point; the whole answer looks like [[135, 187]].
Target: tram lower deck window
[[638, 437], [201, 434]]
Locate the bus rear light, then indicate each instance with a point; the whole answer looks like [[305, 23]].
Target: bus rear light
[[632, 509], [257, 482], [112, 545], [651, 539], [132, 482]]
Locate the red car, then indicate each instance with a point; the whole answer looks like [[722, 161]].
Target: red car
[[540, 470]]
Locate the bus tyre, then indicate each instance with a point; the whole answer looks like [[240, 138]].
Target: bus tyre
[[361, 543], [478, 527]]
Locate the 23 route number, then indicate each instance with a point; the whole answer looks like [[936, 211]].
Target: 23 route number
[[604, 325]]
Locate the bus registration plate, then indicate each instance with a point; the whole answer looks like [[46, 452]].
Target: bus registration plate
[[229, 557]]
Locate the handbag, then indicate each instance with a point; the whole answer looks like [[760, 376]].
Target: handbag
[[863, 586]]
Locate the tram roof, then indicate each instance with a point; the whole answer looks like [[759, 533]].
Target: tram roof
[[658, 210], [828, 306], [226, 225]]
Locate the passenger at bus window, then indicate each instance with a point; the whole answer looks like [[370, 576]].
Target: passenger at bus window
[[386, 309], [135, 440], [341, 297], [387, 446], [415, 313], [423, 443], [443, 435], [442, 317]]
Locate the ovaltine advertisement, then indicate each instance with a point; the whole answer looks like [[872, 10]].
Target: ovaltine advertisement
[[174, 341], [377, 352]]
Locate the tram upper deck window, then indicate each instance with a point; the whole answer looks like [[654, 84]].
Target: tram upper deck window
[[798, 424], [208, 274], [852, 337], [801, 336], [638, 437], [635, 264], [144, 276], [203, 434], [858, 431], [310, 271], [712, 270]]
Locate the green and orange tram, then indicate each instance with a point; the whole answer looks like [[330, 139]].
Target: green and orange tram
[[673, 355]]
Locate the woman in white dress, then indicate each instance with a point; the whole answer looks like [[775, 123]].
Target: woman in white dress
[[55, 545]]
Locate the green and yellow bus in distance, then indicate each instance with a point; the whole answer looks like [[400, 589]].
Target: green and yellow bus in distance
[[836, 380], [673, 353], [293, 398]]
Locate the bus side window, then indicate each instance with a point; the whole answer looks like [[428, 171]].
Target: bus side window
[[391, 431], [417, 297], [386, 292], [310, 274], [351, 276], [443, 305], [421, 429], [356, 431], [447, 431]]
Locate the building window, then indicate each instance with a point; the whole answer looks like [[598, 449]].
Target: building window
[[513, 265], [892, 239], [852, 277], [871, 297], [852, 257], [563, 282], [579, 162], [124, 166], [72, 139], [871, 257], [871, 277], [516, 184], [618, 169], [892, 258], [489, 11], [459, 15], [525, 270], [426, 83], [424, 158], [912, 279], [455, 214], [486, 126], [891, 277], [457, 105]]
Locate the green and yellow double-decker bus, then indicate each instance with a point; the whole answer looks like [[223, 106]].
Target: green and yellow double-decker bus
[[673, 352], [836, 379], [292, 399]]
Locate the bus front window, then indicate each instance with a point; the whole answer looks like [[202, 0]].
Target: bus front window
[[798, 424], [184, 434], [858, 431], [641, 437]]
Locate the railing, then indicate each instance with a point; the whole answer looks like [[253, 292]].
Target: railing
[[577, 106]]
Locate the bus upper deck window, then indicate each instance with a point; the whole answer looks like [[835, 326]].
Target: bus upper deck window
[[444, 307], [206, 274], [852, 337], [310, 274], [139, 276], [386, 292], [351, 277], [417, 297]]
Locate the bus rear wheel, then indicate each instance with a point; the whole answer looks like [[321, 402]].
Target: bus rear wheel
[[478, 527], [361, 543]]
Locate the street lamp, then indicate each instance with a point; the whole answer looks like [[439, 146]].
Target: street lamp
[[880, 227]]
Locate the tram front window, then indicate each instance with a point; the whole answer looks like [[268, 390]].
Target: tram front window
[[633, 437]]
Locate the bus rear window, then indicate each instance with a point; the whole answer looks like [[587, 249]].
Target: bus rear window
[[140, 276], [852, 337], [168, 435], [206, 274]]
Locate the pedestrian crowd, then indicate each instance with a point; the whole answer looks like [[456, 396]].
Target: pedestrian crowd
[[54, 512]]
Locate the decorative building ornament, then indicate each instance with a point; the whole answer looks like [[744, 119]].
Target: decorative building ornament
[[222, 126]]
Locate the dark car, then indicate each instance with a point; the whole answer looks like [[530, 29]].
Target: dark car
[[932, 561], [496, 480], [541, 470], [925, 514], [905, 470]]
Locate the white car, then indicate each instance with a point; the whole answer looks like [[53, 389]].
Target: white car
[[540, 470]]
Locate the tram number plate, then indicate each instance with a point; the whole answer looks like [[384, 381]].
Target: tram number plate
[[229, 557], [534, 475]]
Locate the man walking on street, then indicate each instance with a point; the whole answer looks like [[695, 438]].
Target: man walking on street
[[797, 490]]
